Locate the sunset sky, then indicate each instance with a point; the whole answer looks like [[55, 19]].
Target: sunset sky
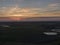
[[29, 8]]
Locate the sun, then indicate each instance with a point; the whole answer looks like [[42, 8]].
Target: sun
[[16, 17]]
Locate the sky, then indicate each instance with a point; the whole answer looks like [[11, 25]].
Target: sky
[[29, 8]]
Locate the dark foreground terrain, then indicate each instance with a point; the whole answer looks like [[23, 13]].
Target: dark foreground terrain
[[29, 33]]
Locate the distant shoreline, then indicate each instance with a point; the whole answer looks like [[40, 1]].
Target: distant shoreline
[[31, 19]]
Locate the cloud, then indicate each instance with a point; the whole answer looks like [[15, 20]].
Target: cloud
[[54, 5], [17, 11]]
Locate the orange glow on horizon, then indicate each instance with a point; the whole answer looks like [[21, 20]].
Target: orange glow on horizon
[[15, 18]]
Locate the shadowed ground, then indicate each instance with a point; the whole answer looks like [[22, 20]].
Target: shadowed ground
[[27, 32]]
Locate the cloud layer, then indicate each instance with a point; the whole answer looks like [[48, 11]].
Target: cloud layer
[[51, 9]]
